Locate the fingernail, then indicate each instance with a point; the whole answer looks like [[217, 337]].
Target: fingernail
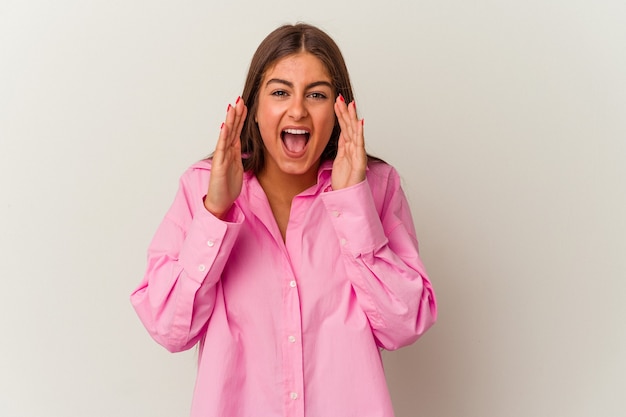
[[354, 104], [222, 126], [229, 107], [341, 98], [238, 98], [362, 122]]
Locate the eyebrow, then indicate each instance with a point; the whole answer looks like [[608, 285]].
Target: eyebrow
[[290, 84]]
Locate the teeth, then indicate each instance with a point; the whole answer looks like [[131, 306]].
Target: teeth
[[296, 131]]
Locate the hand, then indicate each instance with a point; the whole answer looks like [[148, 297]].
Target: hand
[[351, 161], [226, 168]]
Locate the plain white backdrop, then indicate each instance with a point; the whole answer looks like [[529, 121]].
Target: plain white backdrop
[[506, 120]]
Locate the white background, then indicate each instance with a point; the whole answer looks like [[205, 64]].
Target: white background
[[506, 120]]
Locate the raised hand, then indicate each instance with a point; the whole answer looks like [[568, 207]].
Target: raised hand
[[226, 169], [351, 161]]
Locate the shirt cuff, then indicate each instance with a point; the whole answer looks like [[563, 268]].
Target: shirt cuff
[[353, 213], [207, 239]]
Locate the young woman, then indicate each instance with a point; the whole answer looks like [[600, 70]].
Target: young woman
[[290, 256]]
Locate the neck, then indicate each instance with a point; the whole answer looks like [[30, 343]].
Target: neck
[[284, 187]]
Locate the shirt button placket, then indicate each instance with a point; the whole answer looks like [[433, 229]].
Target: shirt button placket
[[293, 350]]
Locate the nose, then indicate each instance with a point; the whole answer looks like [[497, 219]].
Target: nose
[[297, 109]]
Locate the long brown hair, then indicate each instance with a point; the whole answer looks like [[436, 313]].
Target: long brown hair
[[284, 41]]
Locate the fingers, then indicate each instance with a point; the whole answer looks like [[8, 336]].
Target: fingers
[[343, 115], [235, 116], [351, 126], [232, 126]]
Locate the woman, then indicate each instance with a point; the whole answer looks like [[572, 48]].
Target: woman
[[289, 255]]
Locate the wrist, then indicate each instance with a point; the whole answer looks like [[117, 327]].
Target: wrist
[[220, 214]]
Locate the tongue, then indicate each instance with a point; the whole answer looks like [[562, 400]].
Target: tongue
[[294, 143]]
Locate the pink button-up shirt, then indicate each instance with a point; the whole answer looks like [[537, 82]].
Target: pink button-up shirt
[[288, 328]]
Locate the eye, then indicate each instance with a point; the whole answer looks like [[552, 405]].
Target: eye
[[279, 93], [318, 96]]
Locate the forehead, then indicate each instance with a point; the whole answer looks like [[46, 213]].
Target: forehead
[[300, 65]]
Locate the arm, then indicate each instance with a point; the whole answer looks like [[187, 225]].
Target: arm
[[381, 257], [187, 255], [377, 239], [185, 260]]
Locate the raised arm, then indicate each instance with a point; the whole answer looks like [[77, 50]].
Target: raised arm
[[188, 253]]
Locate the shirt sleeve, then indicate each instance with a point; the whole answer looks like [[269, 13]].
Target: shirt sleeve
[[380, 250], [186, 257]]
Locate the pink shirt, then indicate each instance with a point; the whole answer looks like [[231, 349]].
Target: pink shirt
[[288, 328]]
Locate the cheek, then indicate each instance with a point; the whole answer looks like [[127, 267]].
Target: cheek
[[265, 113], [266, 134], [323, 115], [329, 122], [265, 121]]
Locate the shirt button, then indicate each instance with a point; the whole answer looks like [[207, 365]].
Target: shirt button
[[292, 339], [201, 268], [336, 213], [210, 243], [343, 242], [292, 284], [293, 395]]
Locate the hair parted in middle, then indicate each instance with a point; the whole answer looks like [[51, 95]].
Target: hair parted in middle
[[285, 41]]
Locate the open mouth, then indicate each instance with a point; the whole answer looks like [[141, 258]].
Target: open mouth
[[295, 140]]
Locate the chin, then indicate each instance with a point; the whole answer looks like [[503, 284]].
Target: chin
[[299, 168]]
